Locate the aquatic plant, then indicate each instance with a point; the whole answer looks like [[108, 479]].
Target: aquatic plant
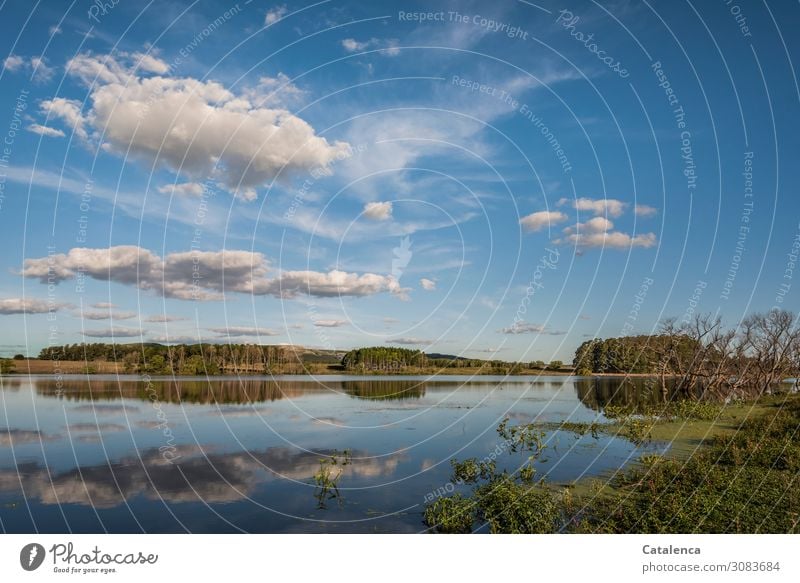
[[327, 477]]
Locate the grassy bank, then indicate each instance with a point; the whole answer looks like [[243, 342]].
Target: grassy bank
[[733, 471]]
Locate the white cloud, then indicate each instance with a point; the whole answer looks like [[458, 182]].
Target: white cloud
[[604, 206], [643, 210], [69, 111], [427, 284], [28, 306], [332, 284], [351, 45], [597, 232], [244, 331], [40, 70], [392, 49], [150, 63], [196, 128], [275, 14], [45, 131], [390, 46], [113, 333], [14, 63], [101, 305], [107, 315], [160, 318], [487, 350], [378, 211], [539, 220], [54, 30], [412, 341], [183, 189], [330, 323], [204, 275], [529, 328], [592, 226]]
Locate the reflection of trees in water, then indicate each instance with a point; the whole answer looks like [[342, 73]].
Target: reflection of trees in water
[[636, 393], [384, 390], [175, 391], [222, 391]]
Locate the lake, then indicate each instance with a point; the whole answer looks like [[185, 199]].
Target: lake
[[133, 454]]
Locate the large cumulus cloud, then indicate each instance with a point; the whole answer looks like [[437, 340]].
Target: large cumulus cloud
[[203, 275], [197, 128]]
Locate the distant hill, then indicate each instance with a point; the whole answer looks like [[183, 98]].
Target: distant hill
[[439, 356]]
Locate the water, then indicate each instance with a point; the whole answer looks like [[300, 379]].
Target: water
[[227, 455]]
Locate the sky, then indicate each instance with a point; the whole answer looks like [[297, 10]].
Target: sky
[[494, 180]]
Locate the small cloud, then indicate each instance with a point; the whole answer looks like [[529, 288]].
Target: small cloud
[[275, 14], [427, 284], [10, 306], [244, 331], [599, 207], [389, 47], [486, 350], [489, 303], [106, 315], [183, 189], [539, 220], [113, 333], [54, 30], [643, 210], [412, 341], [378, 211], [529, 328], [584, 317], [101, 305], [13, 63], [392, 49], [351, 45], [45, 131], [163, 318], [42, 72], [597, 232], [330, 323]]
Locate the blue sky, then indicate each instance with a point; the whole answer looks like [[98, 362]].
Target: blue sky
[[471, 178]]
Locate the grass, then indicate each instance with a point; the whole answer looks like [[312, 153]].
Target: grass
[[733, 469]]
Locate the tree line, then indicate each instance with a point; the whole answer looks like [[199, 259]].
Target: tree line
[[703, 358], [395, 359], [183, 359]]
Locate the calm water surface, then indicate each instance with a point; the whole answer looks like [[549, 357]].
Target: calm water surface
[[96, 455]]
